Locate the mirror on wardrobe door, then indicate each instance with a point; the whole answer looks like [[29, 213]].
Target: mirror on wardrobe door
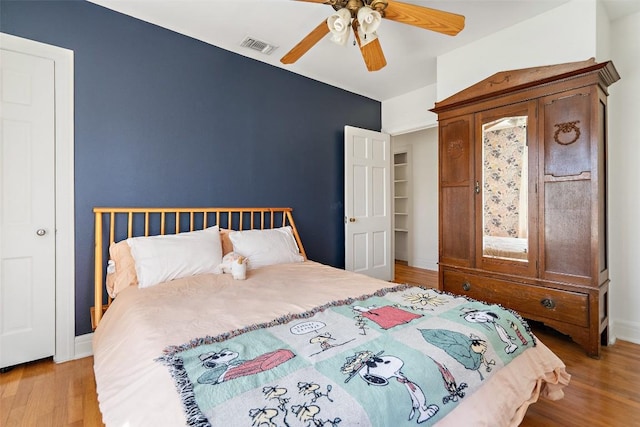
[[505, 189]]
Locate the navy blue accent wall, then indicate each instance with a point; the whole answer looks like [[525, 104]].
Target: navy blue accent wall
[[165, 120]]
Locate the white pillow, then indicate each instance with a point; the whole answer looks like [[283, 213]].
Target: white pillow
[[172, 256], [266, 247]]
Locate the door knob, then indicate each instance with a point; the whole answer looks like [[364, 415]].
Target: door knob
[[352, 220], [41, 232]]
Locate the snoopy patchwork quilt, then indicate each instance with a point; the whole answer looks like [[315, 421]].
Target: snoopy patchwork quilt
[[402, 356], [305, 344]]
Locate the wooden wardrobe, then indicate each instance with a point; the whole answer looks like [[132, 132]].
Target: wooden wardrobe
[[523, 195]]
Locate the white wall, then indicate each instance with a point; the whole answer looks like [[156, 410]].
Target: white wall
[[624, 179], [574, 31], [409, 112], [564, 34], [603, 33], [424, 213]]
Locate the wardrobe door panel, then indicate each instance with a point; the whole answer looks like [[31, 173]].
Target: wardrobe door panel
[[456, 247], [567, 229], [506, 203], [568, 178], [457, 152], [456, 191], [567, 136]]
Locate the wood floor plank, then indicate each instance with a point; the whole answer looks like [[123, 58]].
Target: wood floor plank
[[10, 384], [415, 276], [74, 406], [16, 416]]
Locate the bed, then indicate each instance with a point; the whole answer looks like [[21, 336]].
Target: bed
[[294, 343]]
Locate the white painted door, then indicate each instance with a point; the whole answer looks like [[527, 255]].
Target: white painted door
[[367, 204], [27, 211]]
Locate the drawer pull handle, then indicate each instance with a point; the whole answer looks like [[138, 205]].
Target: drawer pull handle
[[466, 286], [548, 303]]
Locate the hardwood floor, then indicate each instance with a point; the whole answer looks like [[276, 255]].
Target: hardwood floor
[[44, 393], [415, 276], [604, 392]]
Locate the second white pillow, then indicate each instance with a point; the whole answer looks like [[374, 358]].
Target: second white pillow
[[266, 247]]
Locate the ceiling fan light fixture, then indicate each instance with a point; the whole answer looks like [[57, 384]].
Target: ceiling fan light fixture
[[369, 19], [339, 24]]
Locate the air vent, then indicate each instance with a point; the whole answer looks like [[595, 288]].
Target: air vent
[[259, 45]]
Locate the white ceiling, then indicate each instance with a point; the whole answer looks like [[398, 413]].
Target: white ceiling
[[410, 51]]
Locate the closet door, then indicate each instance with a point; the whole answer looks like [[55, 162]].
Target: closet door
[[457, 189], [27, 198]]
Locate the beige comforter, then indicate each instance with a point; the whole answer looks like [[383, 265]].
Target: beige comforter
[[134, 390]]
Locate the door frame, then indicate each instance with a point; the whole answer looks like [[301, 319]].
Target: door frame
[[400, 149], [64, 186]]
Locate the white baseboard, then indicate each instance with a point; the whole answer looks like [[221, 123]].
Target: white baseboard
[[83, 346], [625, 330], [427, 264], [401, 255]]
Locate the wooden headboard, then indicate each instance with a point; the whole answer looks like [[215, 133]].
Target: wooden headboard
[[115, 224]]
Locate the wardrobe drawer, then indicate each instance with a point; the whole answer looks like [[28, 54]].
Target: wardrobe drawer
[[563, 306]]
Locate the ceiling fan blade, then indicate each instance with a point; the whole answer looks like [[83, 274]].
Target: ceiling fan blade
[[306, 43], [424, 17], [371, 52], [373, 55]]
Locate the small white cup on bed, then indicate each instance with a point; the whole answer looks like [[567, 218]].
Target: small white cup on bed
[[239, 268]]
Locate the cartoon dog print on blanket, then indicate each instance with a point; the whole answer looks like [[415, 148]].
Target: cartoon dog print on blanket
[[377, 370], [224, 365], [485, 318]]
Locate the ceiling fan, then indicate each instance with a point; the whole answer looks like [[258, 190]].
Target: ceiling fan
[[364, 17]]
